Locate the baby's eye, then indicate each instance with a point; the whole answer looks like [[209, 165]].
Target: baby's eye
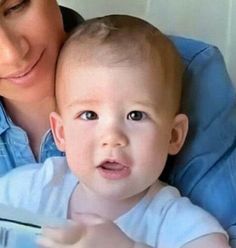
[[89, 116], [136, 115]]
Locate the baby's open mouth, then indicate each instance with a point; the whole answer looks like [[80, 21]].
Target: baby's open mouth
[[111, 166], [113, 170]]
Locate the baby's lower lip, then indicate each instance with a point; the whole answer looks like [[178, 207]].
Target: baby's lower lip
[[113, 171]]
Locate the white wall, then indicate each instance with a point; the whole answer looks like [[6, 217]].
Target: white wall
[[231, 52], [213, 21], [92, 8]]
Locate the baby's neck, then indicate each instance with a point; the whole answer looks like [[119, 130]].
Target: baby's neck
[[85, 201]]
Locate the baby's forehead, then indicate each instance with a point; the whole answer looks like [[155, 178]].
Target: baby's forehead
[[79, 57], [113, 78], [90, 54], [118, 38], [103, 84], [147, 81], [121, 41]]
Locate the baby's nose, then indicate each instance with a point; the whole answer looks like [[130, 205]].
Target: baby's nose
[[114, 138]]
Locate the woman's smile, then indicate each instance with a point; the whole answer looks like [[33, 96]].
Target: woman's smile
[[23, 77]]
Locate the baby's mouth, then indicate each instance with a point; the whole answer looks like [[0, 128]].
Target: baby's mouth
[[111, 166], [111, 169]]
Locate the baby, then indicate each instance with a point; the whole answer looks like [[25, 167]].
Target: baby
[[118, 90]]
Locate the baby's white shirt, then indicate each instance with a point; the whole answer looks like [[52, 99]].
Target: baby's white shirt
[[161, 219]]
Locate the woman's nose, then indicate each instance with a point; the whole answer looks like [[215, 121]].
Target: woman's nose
[[13, 46]]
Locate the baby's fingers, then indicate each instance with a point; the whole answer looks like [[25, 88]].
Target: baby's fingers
[[48, 243], [89, 219], [68, 235]]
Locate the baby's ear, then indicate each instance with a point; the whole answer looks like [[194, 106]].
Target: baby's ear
[[178, 133], [57, 130]]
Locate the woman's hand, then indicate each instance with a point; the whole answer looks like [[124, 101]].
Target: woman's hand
[[90, 231]]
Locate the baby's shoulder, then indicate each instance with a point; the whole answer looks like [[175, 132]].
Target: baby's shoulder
[[179, 215], [175, 207]]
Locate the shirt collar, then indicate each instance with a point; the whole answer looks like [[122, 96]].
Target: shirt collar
[[4, 119]]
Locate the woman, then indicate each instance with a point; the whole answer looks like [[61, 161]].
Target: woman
[[31, 34]]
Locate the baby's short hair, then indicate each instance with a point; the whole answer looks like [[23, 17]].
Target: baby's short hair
[[121, 39]]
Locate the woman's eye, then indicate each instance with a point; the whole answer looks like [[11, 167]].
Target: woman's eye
[[136, 116], [89, 115], [17, 6]]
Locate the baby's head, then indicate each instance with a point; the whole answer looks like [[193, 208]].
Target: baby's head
[[118, 89], [124, 41]]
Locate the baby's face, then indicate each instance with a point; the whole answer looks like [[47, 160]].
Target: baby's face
[[115, 126]]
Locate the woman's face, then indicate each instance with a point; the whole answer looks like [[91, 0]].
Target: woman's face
[[31, 34]]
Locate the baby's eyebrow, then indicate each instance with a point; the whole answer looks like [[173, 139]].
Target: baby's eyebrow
[[90, 102], [147, 104]]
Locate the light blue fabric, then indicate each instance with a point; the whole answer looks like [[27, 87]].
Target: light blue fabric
[[159, 219], [15, 150], [205, 169]]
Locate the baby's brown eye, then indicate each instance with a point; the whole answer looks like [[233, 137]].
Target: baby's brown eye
[[89, 115], [136, 116]]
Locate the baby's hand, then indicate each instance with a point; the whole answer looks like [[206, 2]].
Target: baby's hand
[[90, 231]]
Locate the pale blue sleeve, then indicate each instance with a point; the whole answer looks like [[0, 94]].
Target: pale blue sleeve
[[34, 191], [39, 188], [185, 222], [17, 186], [165, 219]]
